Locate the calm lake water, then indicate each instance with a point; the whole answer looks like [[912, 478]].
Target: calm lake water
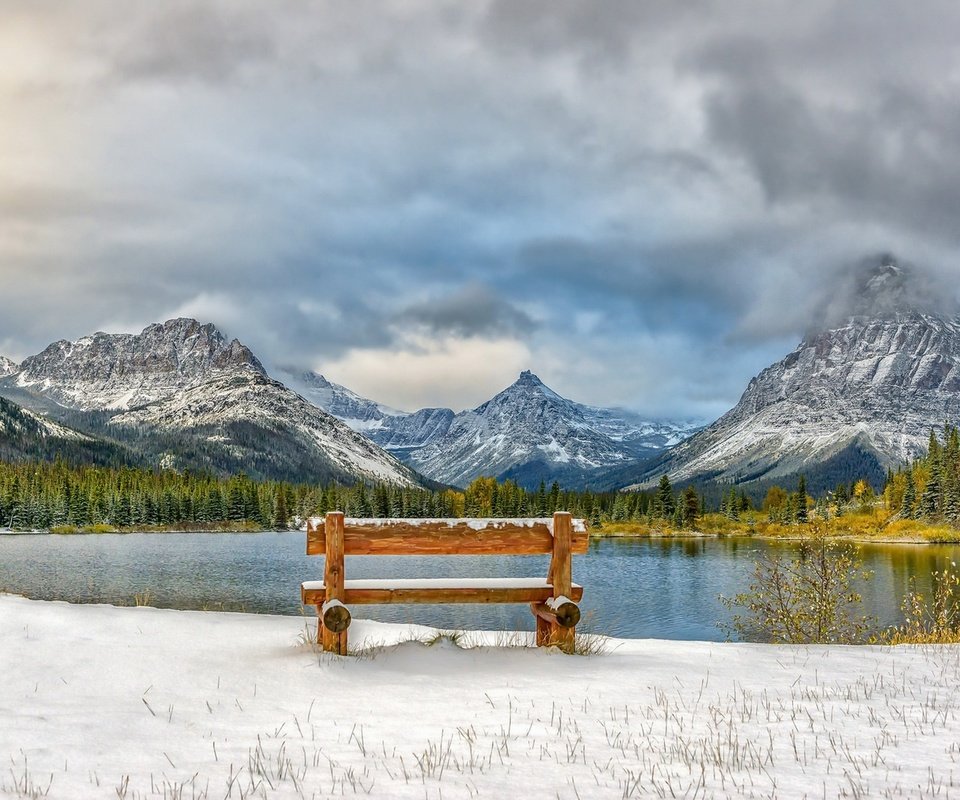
[[636, 588]]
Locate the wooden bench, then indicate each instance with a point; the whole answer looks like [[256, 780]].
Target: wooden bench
[[553, 599]]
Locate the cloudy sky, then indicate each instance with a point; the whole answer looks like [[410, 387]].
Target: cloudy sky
[[642, 202]]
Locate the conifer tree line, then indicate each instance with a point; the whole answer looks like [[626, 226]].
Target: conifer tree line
[[44, 495], [929, 487]]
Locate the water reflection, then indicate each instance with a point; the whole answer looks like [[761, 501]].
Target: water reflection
[[637, 588]]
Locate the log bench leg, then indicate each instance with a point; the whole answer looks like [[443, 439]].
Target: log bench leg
[[332, 642], [556, 624], [544, 631], [564, 638]]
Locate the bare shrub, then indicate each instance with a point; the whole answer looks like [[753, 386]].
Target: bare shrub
[[805, 597]]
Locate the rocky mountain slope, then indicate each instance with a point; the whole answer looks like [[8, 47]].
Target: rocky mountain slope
[[875, 383], [527, 432], [7, 367], [359, 413], [258, 425], [108, 371], [183, 394]]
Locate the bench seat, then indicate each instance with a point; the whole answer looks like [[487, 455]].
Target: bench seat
[[439, 590]]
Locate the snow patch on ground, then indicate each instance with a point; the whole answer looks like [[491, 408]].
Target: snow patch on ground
[[100, 702]]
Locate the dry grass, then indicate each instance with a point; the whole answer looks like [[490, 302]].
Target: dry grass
[[930, 620], [874, 524]]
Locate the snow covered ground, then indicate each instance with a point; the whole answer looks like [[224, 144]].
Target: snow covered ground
[[105, 702]]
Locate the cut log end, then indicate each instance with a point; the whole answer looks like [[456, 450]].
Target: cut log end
[[568, 614], [565, 613], [336, 616]]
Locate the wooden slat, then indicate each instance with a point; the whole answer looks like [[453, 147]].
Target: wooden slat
[[367, 596], [453, 537]]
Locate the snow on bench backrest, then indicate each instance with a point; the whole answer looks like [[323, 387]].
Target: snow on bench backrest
[[397, 537]]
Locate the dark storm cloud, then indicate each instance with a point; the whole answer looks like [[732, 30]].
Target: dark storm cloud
[[474, 310], [679, 187]]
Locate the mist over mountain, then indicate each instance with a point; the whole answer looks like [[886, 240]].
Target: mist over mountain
[[870, 386]]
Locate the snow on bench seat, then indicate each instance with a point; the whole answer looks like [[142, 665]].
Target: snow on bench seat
[[439, 590]]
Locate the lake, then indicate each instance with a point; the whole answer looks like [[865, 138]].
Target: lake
[[634, 588]]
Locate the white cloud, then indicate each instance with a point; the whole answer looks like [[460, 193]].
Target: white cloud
[[450, 372]]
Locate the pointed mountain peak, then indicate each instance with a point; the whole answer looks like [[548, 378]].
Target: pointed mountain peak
[[530, 383], [309, 378], [528, 377]]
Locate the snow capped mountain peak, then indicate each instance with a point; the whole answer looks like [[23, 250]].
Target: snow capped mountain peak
[[183, 385], [527, 432], [120, 371], [882, 288], [531, 384], [528, 388], [7, 367]]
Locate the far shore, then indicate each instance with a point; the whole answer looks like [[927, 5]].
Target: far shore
[[923, 534]]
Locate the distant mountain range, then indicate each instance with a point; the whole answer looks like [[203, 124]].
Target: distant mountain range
[[858, 396], [527, 433], [181, 395]]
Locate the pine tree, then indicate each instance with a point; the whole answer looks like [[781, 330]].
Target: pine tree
[[802, 500], [691, 507], [931, 502], [280, 516], [909, 498], [664, 504]]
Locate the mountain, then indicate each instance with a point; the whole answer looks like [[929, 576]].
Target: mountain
[[407, 433], [359, 413], [527, 433], [246, 421], [7, 367], [183, 395], [866, 390]]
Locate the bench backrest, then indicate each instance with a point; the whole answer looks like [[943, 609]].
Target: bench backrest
[[447, 537]]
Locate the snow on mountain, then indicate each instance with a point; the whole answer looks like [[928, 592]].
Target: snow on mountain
[[880, 381], [527, 432], [120, 371], [359, 413], [413, 430], [7, 367], [250, 415], [622, 425]]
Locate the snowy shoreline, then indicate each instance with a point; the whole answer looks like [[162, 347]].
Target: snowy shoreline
[[100, 701]]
